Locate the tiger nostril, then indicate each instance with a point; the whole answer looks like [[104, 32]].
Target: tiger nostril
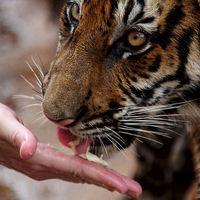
[[63, 116], [63, 122]]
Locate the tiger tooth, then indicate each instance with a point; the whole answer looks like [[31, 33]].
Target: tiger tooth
[[89, 156], [73, 145], [93, 158]]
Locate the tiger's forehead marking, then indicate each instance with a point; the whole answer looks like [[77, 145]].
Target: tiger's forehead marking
[[135, 14]]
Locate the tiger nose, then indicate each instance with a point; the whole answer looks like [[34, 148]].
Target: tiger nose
[[64, 122]]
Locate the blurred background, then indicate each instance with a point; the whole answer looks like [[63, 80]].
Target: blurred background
[[29, 31]]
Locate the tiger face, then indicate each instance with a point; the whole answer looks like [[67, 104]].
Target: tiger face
[[119, 63]]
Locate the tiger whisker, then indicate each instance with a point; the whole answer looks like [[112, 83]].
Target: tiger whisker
[[142, 110], [146, 121], [39, 68], [194, 109], [32, 85], [101, 141], [37, 90], [39, 118], [116, 135], [158, 107], [23, 96], [102, 144], [37, 78], [43, 69], [158, 118], [39, 113], [30, 105], [135, 111], [38, 99], [159, 115], [156, 126], [140, 136], [37, 95], [42, 123], [28, 81], [93, 145], [150, 124], [131, 150], [176, 119], [143, 131], [139, 140], [114, 142]]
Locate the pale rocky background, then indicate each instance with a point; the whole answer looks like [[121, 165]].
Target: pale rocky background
[[29, 28]]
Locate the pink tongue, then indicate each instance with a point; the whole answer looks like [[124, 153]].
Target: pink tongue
[[65, 137]]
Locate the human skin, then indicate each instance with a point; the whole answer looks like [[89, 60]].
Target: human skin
[[20, 150]]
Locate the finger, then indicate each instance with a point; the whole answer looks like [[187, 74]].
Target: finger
[[85, 170], [134, 189], [112, 180]]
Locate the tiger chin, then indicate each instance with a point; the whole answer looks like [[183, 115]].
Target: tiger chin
[[128, 71]]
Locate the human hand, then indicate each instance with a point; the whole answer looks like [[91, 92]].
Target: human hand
[[20, 150]]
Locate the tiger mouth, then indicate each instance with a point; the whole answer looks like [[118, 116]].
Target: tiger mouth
[[66, 137], [96, 143]]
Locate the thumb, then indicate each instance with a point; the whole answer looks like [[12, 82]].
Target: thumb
[[12, 130], [28, 147], [28, 143]]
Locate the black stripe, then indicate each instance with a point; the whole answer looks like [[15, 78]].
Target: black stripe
[[138, 16], [183, 52], [119, 79], [126, 92], [66, 24], [172, 20], [184, 44], [125, 77], [114, 105], [141, 13], [193, 93], [144, 94], [175, 16], [64, 20], [103, 11], [139, 56], [144, 75], [142, 3], [129, 8], [113, 8], [104, 116], [133, 78], [109, 23], [147, 20], [86, 2], [156, 64], [199, 36]]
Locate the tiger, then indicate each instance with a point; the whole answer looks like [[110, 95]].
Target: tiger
[[128, 72]]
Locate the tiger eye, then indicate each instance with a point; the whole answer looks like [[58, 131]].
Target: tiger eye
[[136, 38], [75, 12]]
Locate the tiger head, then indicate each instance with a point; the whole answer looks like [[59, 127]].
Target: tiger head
[[119, 62]]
